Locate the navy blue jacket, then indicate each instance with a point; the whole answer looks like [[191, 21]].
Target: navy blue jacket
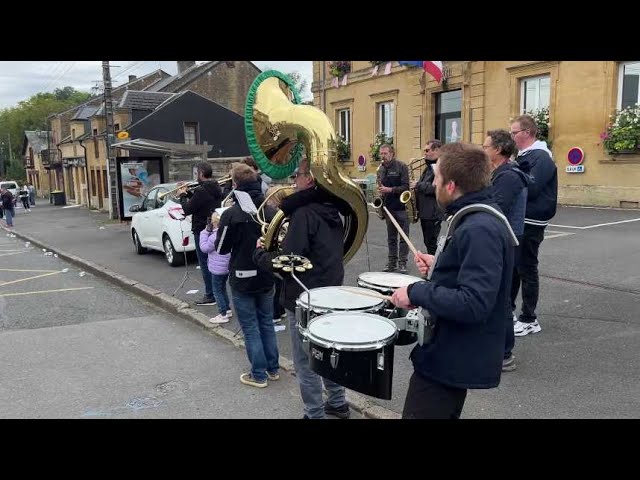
[[510, 186], [542, 198], [468, 297]]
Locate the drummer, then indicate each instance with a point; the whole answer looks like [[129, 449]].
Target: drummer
[[467, 297], [315, 232]]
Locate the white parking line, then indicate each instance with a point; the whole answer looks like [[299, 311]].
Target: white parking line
[[44, 291], [595, 226]]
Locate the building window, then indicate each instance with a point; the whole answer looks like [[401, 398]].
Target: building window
[[385, 115], [73, 134], [96, 149], [191, 133], [535, 93], [628, 87], [344, 124], [116, 127], [449, 116]]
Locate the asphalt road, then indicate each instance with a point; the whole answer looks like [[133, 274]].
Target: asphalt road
[[582, 364]]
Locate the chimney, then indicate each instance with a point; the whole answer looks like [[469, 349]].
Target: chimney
[[132, 78], [182, 65]]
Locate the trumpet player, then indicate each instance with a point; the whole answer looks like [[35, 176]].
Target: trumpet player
[[393, 179], [429, 212], [200, 204]]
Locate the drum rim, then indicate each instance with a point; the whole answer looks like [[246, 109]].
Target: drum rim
[[305, 305], [351, 347]]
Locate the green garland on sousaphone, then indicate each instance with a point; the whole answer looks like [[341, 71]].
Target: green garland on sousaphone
[[273, 170]]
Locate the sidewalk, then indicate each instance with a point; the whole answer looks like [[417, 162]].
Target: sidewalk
[[103, 247]]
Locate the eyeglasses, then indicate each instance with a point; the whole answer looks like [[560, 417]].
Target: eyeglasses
[[295, 174], [513, 134]]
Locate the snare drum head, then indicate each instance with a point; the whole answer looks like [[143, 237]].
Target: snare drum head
[[335, 298], [388, 279], [351, 328]]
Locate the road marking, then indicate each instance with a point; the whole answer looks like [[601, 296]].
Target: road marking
[[557, 234], [20, 270], [597, 208], [29, 278], [44, 291], [595, 226], [13, 253]]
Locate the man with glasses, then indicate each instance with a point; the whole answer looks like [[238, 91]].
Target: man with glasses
[[315, 232], [393, 178], [428, 211], [534, 158]]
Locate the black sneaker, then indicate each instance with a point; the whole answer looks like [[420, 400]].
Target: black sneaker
[[206, 301], [391, 267], [402, 268], [340, 412]]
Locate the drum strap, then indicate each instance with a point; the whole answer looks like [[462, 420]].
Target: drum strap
[[450, 224]]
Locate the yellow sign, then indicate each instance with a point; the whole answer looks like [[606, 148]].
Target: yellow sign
[[123, 135]]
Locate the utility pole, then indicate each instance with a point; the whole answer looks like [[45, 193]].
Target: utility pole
[[114, 212]]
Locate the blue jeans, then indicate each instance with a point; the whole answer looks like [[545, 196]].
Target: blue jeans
[[8, 216], [219, 283], [309, 381], [255, 315], [204, 269]]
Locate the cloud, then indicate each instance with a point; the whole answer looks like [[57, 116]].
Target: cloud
[[21, 80]]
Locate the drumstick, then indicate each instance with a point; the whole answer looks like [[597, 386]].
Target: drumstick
[[400, 231], [367, 294]]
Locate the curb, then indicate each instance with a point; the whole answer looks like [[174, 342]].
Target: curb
[[358, 402]]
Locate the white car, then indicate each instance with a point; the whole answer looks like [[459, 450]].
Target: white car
[[160, 224]]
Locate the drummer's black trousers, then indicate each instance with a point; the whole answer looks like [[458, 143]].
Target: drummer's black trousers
[[431, 400]]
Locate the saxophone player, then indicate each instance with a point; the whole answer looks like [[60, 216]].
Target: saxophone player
[[393, 179], [429, 212]]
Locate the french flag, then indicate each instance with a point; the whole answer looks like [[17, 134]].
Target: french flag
[[432, 68]]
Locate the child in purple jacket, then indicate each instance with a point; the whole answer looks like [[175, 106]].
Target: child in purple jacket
[[219, 268]]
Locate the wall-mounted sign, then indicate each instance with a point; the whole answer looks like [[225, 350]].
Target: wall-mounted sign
[[575, 157], [123, 135]]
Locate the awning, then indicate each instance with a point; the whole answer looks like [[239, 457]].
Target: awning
[[169, 148]]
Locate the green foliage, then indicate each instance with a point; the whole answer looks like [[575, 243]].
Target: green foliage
[[339, 68], [15, 171], [380, 139], [623, 131], [31, 114], [343, 148], [541, 117]]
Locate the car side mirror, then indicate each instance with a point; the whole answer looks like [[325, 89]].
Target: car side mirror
[[135, 208]]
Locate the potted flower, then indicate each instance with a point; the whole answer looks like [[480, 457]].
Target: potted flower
[[623, 132], [342, 148], [339, 68], [380, 140], [541, 117]]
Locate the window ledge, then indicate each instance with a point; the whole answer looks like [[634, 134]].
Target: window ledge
[[633, 160]]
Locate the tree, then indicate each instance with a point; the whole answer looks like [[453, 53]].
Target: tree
[[31, 114]]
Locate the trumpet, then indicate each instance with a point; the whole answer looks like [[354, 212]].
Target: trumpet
[[191, 185]]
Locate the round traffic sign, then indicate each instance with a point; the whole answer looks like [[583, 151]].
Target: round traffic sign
[[575, 156]]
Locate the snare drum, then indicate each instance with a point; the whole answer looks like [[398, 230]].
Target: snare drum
[[354, 350], [335, 299], [386, 283]]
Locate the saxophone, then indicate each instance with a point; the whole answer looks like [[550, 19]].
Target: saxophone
[[278, 129], [378, 201], [408, 198]]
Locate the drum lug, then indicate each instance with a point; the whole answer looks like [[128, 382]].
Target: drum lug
[[381, 361], [333, 359]]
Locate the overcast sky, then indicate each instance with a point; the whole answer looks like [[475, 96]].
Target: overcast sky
[[21, 80]]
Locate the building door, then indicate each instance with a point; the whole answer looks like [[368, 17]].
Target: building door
[[99, 189], [70, 184]]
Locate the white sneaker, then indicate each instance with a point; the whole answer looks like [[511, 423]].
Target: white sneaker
[[222, 318], [515, 318], [520, 329], [229, 314]]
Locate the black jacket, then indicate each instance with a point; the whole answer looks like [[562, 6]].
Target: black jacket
[[396, 175], [315, 231], [542, 199], [428, 208], [238, 233], [205, 199], [510, 193], [468, 297], [7, 200]]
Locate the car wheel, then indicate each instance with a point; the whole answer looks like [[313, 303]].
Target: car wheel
[[137, 245], [173, 258]]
